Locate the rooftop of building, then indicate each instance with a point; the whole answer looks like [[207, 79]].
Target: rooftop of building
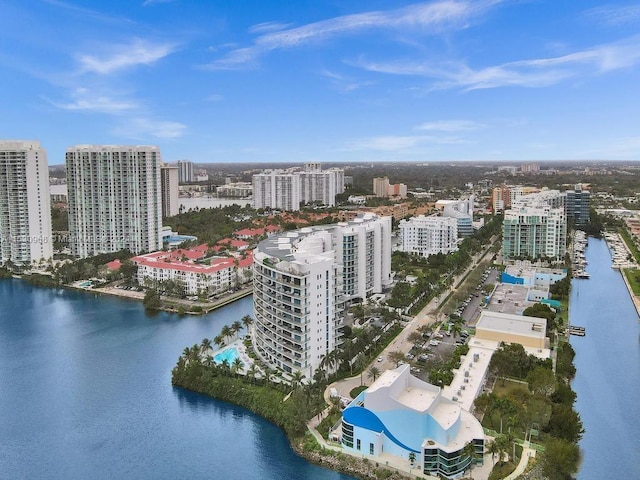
[[509, 298], [183, 260], [520, 325], [284, 245]]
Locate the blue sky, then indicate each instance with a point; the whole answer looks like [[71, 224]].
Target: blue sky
[[325, 80]]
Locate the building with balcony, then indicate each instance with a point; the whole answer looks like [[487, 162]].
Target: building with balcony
[[301, 281], [578, 204], [169, 186], [193, 275], [115, 199], [276, 189], [25, 205], [382, 188], [400, 415], [429, 235], [534, 232], [185, 171], [287, 189]]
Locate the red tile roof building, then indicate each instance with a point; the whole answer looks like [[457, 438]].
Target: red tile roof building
[[216, 275]]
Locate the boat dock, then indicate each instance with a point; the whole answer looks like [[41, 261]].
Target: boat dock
[[576, 330]]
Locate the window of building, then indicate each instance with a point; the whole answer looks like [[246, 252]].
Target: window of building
[[358, 444], [371, 449]]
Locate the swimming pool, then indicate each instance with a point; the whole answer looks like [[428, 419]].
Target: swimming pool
[[229, 354]]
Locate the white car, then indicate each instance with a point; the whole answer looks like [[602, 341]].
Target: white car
[[380, 359], [434, 343]]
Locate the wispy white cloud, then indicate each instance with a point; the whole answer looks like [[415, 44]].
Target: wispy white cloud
[[130, 116], [148, 3], [524, 73], [74, 9], [450, 126], [82, 99], [429, 17], [123, 56], [345, 83], [613, 16], [268, 27], [140, 128]]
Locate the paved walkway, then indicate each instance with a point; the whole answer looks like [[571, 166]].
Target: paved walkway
[[527, 453]]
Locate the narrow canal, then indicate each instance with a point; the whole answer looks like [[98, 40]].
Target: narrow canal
[[608, 370]]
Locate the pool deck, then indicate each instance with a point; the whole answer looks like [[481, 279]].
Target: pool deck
[[242, 353]]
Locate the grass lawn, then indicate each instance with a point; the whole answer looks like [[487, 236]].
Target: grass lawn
[[633, 276], [509, 386], [630, 244], [356, 391]]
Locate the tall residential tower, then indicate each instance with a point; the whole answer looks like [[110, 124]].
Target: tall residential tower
[[301, 282], [114, 199], [25, 206]]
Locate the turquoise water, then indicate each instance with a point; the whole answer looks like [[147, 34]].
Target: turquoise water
[[86, 284], [230, 354]]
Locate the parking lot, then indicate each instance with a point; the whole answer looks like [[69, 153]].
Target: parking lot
[[470, 310]]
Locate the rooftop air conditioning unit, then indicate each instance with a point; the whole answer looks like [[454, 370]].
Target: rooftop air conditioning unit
[[466, 380]]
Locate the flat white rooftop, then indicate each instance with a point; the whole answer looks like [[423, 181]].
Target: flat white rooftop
[[512, 324], [509, 298], [469, 379], [417, 398]]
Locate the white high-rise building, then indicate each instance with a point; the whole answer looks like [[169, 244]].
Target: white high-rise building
[[276, 189], [25, 205], [115, 199], [285, 190], [429, 235], [169, 185], [185, 171], [303, 278], [318, 186]]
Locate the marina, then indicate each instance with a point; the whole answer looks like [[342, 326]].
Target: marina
[[578, 258], [621, 257]]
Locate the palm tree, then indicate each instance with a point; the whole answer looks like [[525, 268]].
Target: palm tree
[[247, 321], [186, 352], [456, 329], [251, 373], [236, 366], [296, 379], [494, 449], [205, 346], [226, 332], [218, 340], [512, 421], [225, 366], [469, 451], [373, 373], [195, 352], [236, 327]]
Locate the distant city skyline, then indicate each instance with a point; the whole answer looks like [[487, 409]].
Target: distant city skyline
[[325, 81]]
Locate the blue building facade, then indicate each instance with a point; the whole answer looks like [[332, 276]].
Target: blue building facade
[[401, 415]]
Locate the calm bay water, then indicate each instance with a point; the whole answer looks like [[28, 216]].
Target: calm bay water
[[608, 370], [85, 393]]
